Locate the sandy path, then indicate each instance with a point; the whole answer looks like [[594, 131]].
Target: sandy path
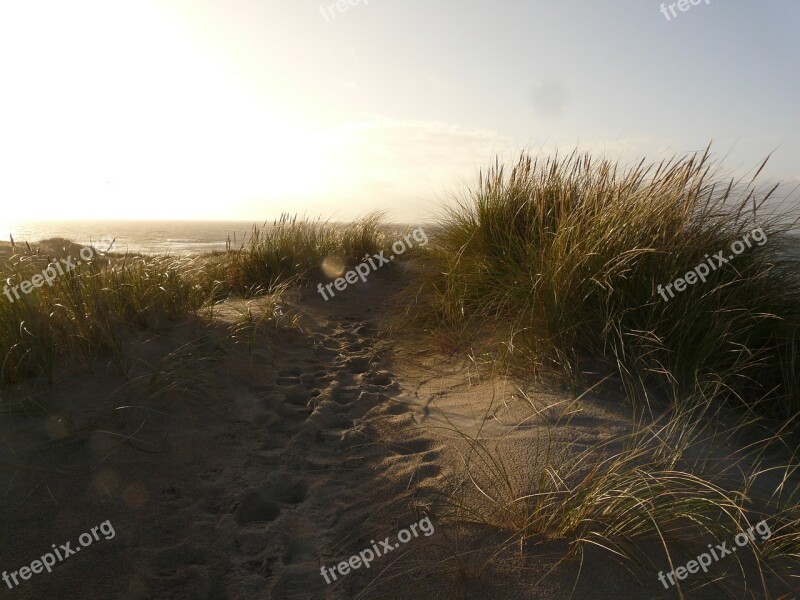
[[242, 491]]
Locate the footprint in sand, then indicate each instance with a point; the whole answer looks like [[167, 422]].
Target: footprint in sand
[[299, 396], [281, 490], [327, 416], [345, 394], [357, 364], [379, 378], [368, 330], [362, 434]]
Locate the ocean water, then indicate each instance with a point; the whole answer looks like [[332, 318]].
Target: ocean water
[[173, 237], [152, 237]]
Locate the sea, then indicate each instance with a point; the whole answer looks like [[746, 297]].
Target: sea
[[149, 237], [176, 238]]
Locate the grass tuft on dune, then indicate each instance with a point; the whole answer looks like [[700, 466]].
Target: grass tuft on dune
[[87, 310], [291, 249], [561, 260]]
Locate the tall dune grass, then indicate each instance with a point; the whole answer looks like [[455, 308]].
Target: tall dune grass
[[562, 258], [88, 310], [290, 249]]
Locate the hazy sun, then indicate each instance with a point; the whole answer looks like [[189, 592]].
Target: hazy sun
[[163, 129]]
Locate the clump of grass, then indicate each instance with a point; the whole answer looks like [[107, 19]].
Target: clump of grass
[[561, 258], [290, 249], [87, 311], [656, 496]]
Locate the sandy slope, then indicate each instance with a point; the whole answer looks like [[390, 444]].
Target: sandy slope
[[264, 463], [244, 468]]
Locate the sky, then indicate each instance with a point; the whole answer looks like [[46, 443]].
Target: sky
[[244, 109]]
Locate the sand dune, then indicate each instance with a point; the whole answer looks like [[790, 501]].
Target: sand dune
[[267, 454]]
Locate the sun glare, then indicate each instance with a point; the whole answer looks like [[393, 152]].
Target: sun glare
[[162, 129]]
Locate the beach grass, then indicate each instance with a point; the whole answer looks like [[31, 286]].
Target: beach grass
[[87, 310], [290, 249], [561, 259], [554, 266], [653, 497]]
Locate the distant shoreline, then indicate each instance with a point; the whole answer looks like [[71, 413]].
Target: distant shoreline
[[177, 238]]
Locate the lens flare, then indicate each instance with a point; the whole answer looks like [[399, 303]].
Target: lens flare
[[333, 267]]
